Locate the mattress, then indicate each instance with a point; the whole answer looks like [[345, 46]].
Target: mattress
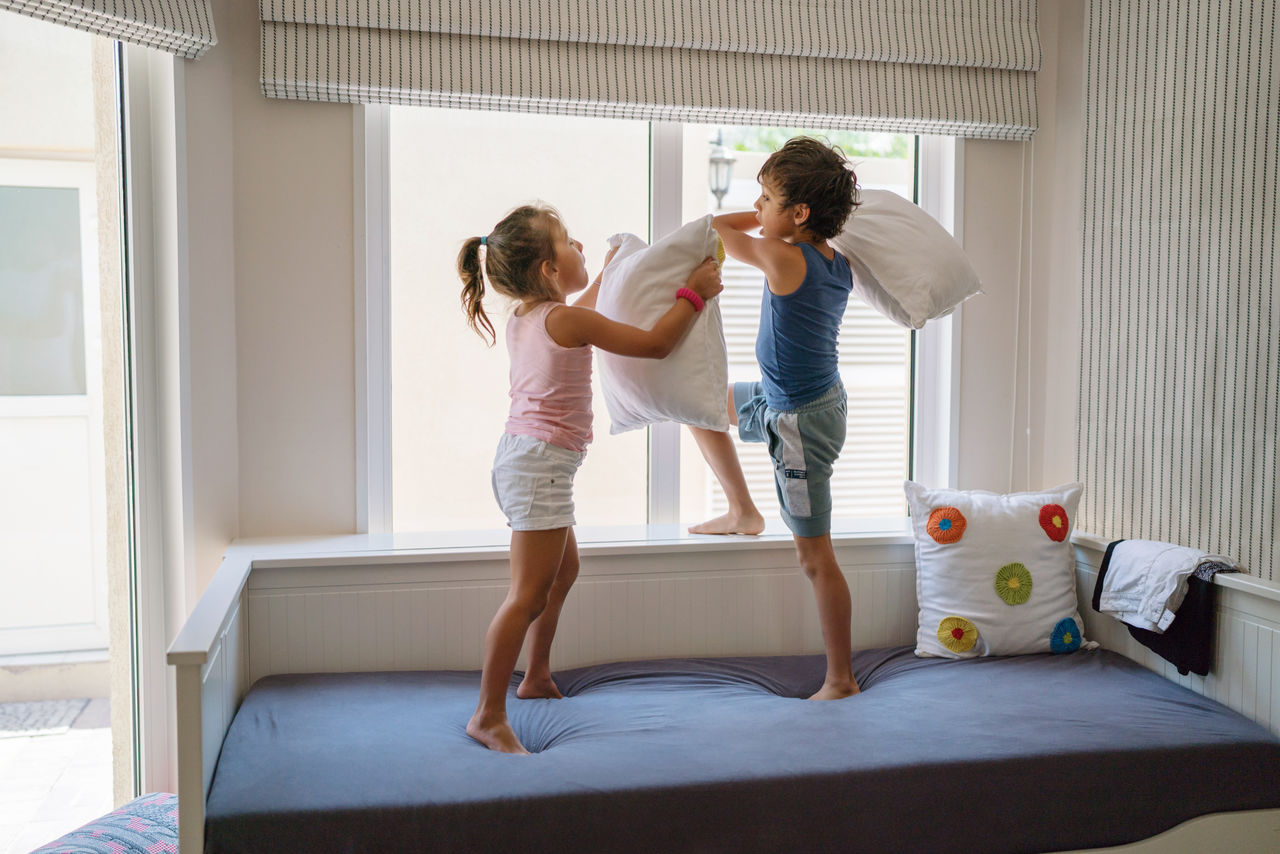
[[1027, 753]]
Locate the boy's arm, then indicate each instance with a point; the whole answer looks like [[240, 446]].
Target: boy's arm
[[781, 262]]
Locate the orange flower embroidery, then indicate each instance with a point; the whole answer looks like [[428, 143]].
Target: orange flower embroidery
[[957, 634], [946, 524], [1054, 521]]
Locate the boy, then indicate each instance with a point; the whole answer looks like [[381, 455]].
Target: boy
[[807, 191]]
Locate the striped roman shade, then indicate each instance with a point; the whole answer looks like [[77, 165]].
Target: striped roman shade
[[180, 27], [1180, 368], [957, 67]]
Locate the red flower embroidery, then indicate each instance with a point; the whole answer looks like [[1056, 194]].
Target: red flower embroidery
[[1054, 521]]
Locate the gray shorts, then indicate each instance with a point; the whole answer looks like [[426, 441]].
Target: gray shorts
[[533, 482], [804, 443]]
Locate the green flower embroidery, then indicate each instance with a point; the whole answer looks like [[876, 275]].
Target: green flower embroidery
[[1013, 583]]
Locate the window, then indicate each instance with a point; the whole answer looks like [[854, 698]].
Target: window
[[452, 174]]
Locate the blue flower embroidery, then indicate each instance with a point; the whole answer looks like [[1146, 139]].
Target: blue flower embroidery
[[1065, 637]]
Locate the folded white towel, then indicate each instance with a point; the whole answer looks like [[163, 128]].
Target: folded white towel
[[1146, 581]]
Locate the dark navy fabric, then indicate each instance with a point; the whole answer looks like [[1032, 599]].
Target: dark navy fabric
[[797, 345], [1027, 753]]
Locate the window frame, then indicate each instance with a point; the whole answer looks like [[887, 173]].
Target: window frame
[[936, 347]]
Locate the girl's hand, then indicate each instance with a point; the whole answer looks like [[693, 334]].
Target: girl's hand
[[613, 250], [705, 279]]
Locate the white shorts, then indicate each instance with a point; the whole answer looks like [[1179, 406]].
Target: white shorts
[[533, 482]]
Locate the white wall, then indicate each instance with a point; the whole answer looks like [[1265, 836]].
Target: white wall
[[270, 206], [211, 303], [1051, 389]]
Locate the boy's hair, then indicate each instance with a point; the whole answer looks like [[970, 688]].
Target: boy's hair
[[807, 171], [514, 252]]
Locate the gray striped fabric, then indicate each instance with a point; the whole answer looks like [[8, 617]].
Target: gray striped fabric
[[180, 27], [1180, 368], [960, 67]]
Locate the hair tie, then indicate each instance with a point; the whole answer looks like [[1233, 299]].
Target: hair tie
[[483, 241]]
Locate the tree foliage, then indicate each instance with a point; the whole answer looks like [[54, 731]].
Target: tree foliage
[[854, 144]]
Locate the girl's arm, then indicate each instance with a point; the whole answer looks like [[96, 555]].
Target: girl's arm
[[574, 325], [588, 298], [781, 262]]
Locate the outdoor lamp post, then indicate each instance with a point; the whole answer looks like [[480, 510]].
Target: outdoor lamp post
[[720, 172]]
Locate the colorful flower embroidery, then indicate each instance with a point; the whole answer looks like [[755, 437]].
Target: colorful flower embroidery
[[1054, 521], [946, 524], [1013, 583], [1065, 637], [957, 634]]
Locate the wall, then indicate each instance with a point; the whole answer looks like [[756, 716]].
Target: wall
[[269, 195], [211, 306]]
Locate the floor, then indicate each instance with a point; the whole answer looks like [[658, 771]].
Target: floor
[[52, 783]]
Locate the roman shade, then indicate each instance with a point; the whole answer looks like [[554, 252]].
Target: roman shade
[[180, 27], [961, 67]]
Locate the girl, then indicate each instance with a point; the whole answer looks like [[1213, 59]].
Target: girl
[[530, 258]]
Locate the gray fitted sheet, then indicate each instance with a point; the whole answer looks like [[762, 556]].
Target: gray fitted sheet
[[1028, 753]]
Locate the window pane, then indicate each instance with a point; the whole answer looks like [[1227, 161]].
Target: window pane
[[41, 292], [454, 174], [875, 355]]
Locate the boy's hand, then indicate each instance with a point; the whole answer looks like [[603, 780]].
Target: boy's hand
[[705, 279]]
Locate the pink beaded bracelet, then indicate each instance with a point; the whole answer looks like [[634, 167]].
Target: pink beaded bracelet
[[692, 297]]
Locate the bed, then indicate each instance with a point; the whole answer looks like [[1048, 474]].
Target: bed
[[362, 669], [1028, 753]]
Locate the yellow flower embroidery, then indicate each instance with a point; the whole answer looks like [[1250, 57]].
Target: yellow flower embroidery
[[957, 634]]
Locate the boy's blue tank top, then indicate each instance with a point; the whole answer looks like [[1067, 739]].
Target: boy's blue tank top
[[799, 333]]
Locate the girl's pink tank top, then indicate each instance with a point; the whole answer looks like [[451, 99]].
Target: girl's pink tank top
[[550, 384]]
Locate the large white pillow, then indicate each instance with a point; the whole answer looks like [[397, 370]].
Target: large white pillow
[[995, 574], [689, 386], [905, 264]]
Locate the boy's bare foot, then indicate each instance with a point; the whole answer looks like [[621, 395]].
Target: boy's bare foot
[[534, 688], [731, 523], [500, 736], [836, 691]]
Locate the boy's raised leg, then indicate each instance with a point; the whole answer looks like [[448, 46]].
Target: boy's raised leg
[[835, 610], [718, 450]]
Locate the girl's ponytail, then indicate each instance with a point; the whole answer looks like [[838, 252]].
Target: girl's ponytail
[[473, 289]]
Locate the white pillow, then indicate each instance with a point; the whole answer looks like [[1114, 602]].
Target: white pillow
[[995, 574], [689, 386], [905, 264]]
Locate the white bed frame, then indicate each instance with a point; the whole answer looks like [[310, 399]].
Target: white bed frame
[[381, 603]]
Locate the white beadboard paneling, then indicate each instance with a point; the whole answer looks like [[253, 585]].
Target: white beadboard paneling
[[421, 618]]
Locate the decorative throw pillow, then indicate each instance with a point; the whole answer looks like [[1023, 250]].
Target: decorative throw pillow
[[691, 384], [905, 264], [147, 823], [995, 574]]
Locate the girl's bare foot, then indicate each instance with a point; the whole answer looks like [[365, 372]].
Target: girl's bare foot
[[731, 523], [836, 691], [538, 688], [495, 736]]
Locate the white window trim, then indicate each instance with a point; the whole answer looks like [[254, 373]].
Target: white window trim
[[937, 345], [372, 148], [164, 586], [937, 426]]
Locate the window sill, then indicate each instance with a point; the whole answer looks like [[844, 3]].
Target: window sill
[[419, 547]]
